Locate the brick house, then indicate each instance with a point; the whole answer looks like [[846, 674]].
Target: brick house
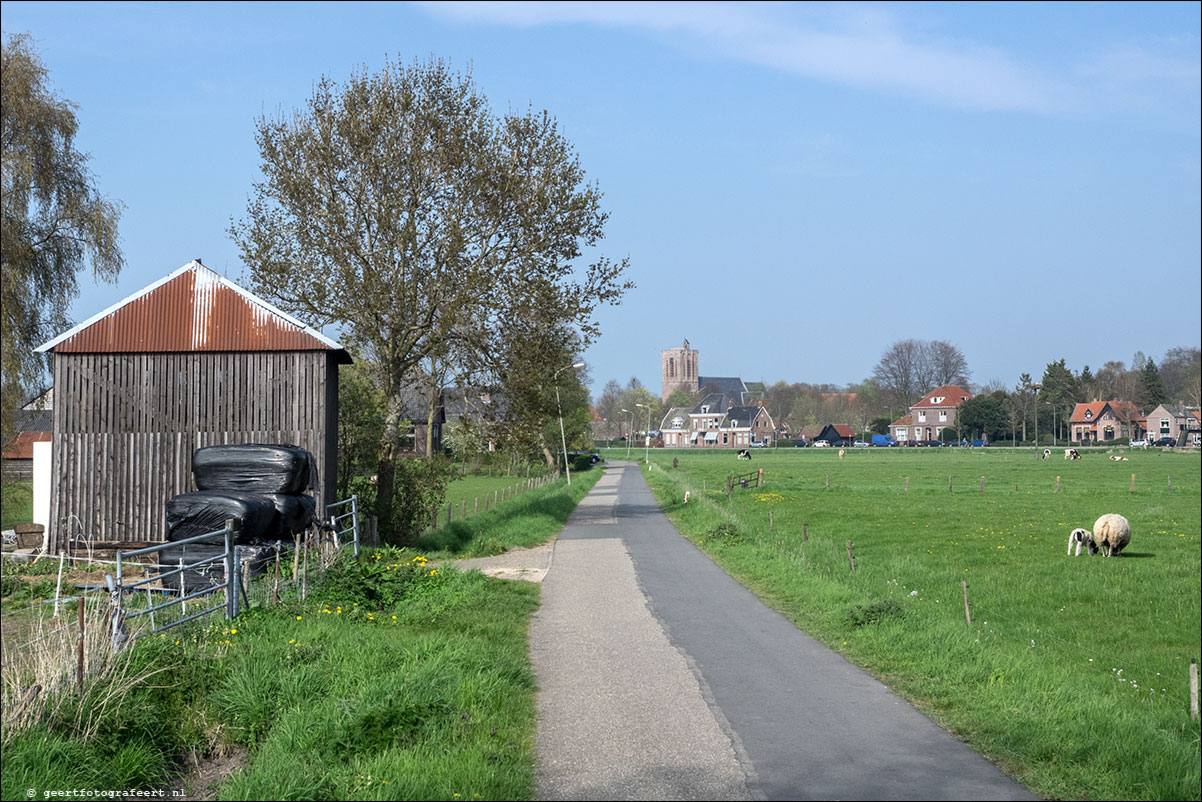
[[1177, 421], [935, 412], [1101, 421]]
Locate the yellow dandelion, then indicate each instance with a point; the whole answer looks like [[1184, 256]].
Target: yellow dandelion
[[298, 618], [233, 632]]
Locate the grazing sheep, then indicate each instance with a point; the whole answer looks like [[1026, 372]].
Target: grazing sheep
[[745, 454], [1072, 453], [1081, 537], [1111, 534], [1047, 452]]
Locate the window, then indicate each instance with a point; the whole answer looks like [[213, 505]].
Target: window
[[922, 417], [943, 416]]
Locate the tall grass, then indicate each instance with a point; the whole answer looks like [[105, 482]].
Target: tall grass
[[1073, 672]]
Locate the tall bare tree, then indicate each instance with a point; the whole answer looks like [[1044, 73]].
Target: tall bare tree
[[398, 206], [55, 221], [909, 368]]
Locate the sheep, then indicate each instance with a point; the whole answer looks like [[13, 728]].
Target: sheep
[[841, 453], [1081, 537], [1117, 458], [744, 454], [1111, 534], [1047, 453], [1072, 453]]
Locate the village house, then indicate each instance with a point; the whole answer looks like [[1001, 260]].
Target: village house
[[1178, 421], [935, 412], [1102, 421]]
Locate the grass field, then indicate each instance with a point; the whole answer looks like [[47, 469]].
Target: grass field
[[1073, 674], [16, 506]]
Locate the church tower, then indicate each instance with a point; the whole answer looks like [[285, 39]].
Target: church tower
[[678, 369]]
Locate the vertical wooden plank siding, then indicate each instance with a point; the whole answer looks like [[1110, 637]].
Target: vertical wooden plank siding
[[125, 427]]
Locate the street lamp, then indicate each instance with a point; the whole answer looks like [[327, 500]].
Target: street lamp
[[647, 432], [562, 437], [629, 431]]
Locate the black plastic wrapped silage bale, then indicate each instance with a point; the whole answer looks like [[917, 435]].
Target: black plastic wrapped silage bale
[[254, 468], [295, 513], [192, 514], [255, 559]]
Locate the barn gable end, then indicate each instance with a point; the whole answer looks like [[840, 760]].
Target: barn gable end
[[190, 361]]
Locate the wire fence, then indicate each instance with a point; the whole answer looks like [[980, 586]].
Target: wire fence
[[64, 642]]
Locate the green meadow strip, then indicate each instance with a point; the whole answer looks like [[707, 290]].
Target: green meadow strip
[[1065, 658]]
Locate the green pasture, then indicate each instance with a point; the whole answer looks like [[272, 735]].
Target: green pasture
[[1073, 673]]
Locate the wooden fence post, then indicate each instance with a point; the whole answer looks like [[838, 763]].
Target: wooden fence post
[[982, 484], [771, 526], [1132, 488], [79, 670], [907, 483], [949, 484], [850, 559], [964, 590], [1057, 490], [805, 534], [828, 481], [1193, 687]]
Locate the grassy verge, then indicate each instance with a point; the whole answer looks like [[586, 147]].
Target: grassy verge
[[1064, 657], [524, 521], [393, 680]]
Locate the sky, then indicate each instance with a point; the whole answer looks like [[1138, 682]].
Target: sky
[[796, 186]]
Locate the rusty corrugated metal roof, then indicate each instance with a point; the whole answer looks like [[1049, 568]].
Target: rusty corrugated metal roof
[[193, 309]]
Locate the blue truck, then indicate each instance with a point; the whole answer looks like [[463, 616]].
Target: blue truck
[[883, 440]]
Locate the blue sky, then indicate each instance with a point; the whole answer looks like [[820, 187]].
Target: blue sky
[[796, 186]]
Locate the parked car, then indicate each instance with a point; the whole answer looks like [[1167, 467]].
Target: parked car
[[1166, 442], [977, 443], [883, 440], [931, 443], [1139, 444], [911, 443], [801, 443], [859, 444], [821, 444], [759, 444]]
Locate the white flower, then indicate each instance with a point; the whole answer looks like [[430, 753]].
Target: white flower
[[913, 593]]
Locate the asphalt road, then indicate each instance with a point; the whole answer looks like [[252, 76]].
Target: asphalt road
[[660, 677]]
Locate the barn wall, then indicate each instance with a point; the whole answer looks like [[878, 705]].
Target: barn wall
[[125, 427]]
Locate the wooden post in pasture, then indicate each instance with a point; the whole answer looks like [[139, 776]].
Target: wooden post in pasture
[[805, 534], [476, 507], [907, 483], [1170, 482], [495, 495], [79, 669], [1193, 684], [850, 558], [1057, 490], [759, 479], [828, 481], [1132, 488], [771, 526], [982, 484], [964, 591], [949, 484], [463, 510]]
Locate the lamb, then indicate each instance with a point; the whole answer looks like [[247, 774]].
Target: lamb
[[1082, 538], [1111, 534], [1047, 452], [841, 453]]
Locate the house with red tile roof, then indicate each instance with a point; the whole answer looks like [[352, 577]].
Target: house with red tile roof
[[1101, 421], [1178, 421], [935, 412]]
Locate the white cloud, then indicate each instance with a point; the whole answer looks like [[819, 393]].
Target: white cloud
[[841, 44]]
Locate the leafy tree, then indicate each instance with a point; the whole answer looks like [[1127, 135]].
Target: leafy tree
[[1179, 370], [1057, 397], [1023, 401], [879, 425], [360, 422], [398, 206], [681, 397], [987, 415], [55, 221], [1151, 392], [609, 407]]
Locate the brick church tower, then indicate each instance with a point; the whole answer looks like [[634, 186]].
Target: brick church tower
[[678, 369]]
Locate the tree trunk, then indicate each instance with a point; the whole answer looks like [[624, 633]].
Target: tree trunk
[[390, 446]]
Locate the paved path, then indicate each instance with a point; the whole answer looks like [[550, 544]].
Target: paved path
[[660, 677]]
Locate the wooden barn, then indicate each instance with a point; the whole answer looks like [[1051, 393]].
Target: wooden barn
[[190, 361]]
